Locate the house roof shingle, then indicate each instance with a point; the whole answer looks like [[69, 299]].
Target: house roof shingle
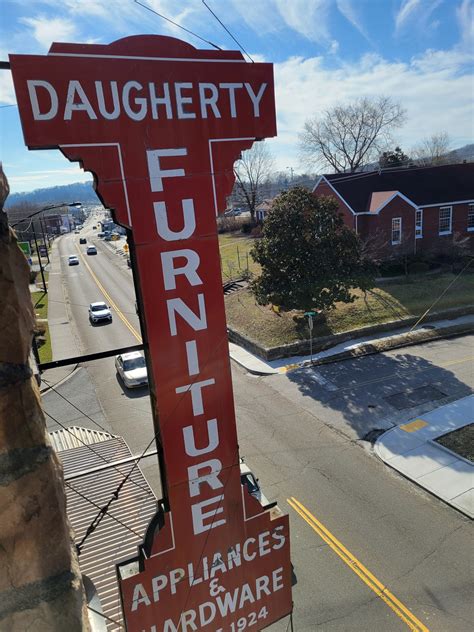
[[424, 186]]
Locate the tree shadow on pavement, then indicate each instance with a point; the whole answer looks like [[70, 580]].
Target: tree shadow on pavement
[[374, 393]]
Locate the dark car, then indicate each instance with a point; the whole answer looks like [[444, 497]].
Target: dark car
[[83, 240]]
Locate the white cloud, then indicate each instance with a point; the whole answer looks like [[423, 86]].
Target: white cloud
[[348, 10], [407, 9], [416, 12], [465, 17], [424, 86], [47, 30]]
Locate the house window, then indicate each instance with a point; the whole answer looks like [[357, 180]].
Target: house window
[[470, 217], [396, 230], [419, 224], [445, 220]]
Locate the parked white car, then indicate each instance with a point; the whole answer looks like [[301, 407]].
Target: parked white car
[[132, 369], [99, 312]]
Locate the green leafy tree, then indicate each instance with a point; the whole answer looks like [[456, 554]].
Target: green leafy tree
[[309, 258]]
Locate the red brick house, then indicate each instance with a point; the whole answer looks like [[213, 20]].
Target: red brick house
[[412, 210]]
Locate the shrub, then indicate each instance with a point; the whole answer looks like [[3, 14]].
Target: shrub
[[229, 224], [247, 227], [419, 267]]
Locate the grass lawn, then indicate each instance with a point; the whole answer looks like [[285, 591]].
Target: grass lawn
[[45, 351], [40, 304], [389, 301], [235, 257]]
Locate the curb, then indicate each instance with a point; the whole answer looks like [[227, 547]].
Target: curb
[[49, 387], [378, 346], [253, 371], [407, 339]]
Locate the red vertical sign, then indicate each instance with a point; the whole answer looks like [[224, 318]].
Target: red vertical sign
[[160, 124]]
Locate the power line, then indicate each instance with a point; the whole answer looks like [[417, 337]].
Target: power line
[[227, 30], [81, 441], [67, 484], [176, 24], [441, 295], [154, 438]]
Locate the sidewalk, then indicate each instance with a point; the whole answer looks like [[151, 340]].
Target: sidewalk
[[63, 340], [258, 366], [410, 448]]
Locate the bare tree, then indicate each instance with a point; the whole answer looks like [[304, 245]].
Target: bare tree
[[347, 137], [434, 151], [252, 172]]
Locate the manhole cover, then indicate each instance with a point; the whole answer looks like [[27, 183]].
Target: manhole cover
[[414, 397]]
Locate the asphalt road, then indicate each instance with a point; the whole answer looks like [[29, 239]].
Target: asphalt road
[[368, 547]]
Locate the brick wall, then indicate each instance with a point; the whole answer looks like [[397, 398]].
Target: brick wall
[[323, 189]]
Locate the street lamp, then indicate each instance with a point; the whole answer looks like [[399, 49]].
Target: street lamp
[[32, 224]]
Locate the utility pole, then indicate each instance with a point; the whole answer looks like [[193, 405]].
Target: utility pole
[[45, 288], [45, 236], [310, 316], [40, 584]]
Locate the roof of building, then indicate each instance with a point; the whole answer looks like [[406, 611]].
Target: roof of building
[[423, 185], [93, 471], [266, 204]]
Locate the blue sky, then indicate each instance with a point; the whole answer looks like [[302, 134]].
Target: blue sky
[[419, 52]]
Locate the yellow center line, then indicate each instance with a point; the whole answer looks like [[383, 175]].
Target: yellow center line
[[358, 568], [120, 314]]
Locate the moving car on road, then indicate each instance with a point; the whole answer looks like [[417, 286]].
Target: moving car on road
[[82, 240], [99, 312], [73, 260], [132, 369], [91, 250]]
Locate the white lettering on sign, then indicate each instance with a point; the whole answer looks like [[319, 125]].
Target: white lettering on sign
[[190, 443], [236, 555], [196, 396], [178, 306], [135, 101], [200, 516], [225, 605], [206, 513], [53, 106], [211, 478], [189, 269], [101, 100], [75, 90]]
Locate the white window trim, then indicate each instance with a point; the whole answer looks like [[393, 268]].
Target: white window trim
[[420, 236], [396, 243], [470, 229], [446, 232]]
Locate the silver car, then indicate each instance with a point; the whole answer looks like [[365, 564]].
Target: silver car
[[132, 369], [99, 312]]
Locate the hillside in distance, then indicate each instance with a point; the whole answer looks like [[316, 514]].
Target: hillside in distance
[[77, 192]]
